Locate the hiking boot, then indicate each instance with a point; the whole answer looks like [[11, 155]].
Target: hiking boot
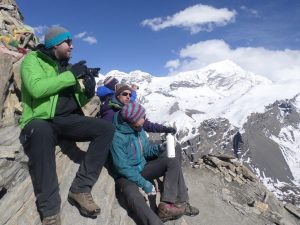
[[190, 210], [84, 203], [52, 220], [169, 211]]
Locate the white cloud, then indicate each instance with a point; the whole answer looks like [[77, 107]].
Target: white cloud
[[195, 18], [41, 39], [40, 29], [275, 65], [80, 35], [173, 64], [90, 39], [249, 10]]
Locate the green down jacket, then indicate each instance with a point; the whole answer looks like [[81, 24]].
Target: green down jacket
[[129, 150], [41, 84]]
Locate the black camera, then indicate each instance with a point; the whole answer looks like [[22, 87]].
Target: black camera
[[93, 71]]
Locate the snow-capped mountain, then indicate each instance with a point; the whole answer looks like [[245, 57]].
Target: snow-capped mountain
[[200, 98], [272, 147], [188, 98]]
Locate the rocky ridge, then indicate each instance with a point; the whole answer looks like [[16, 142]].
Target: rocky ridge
[[260, 149]]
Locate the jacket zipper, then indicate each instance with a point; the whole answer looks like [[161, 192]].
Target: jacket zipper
[[141, 147]]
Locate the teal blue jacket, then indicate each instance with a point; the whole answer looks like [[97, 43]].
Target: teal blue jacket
[[129, 151]]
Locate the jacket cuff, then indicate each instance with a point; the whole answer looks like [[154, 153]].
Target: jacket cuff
[[148, 187]]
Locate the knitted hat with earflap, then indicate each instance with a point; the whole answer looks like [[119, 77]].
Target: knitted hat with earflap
[[110, 82], [133, 112], [55, 36]]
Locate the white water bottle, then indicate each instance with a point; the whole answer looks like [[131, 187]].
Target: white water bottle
[[170, 146]]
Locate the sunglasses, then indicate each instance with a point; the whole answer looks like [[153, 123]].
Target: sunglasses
[[126, 94], [68, 41]]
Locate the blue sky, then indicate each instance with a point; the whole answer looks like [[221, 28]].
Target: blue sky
[[162, 37]]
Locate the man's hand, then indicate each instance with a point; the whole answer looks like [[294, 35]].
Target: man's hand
[[79, 69]]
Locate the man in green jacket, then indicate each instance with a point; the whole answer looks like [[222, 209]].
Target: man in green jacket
[[52, 98], [130, 149]]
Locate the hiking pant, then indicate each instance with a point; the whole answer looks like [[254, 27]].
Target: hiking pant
[[135, 203], [71, 149], [39, 138], [174, 189]]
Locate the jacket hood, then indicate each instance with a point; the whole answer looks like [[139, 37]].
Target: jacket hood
[[115, 103], [103, 91], [48, 52]]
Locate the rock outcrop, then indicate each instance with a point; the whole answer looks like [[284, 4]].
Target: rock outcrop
[[16, 39], [225, 191]]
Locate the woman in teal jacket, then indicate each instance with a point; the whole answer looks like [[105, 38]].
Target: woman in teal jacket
[[130, 149]]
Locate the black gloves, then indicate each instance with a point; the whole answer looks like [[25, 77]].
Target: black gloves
[[89, 85], [171, 130], [79, 70]]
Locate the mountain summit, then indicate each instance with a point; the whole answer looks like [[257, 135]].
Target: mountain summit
[[190, 97]]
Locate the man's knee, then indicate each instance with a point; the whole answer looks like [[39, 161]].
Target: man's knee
[[101, 127], [37, 130]]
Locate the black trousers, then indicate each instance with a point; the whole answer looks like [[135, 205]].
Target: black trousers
[[174, 189], [39, 138]]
